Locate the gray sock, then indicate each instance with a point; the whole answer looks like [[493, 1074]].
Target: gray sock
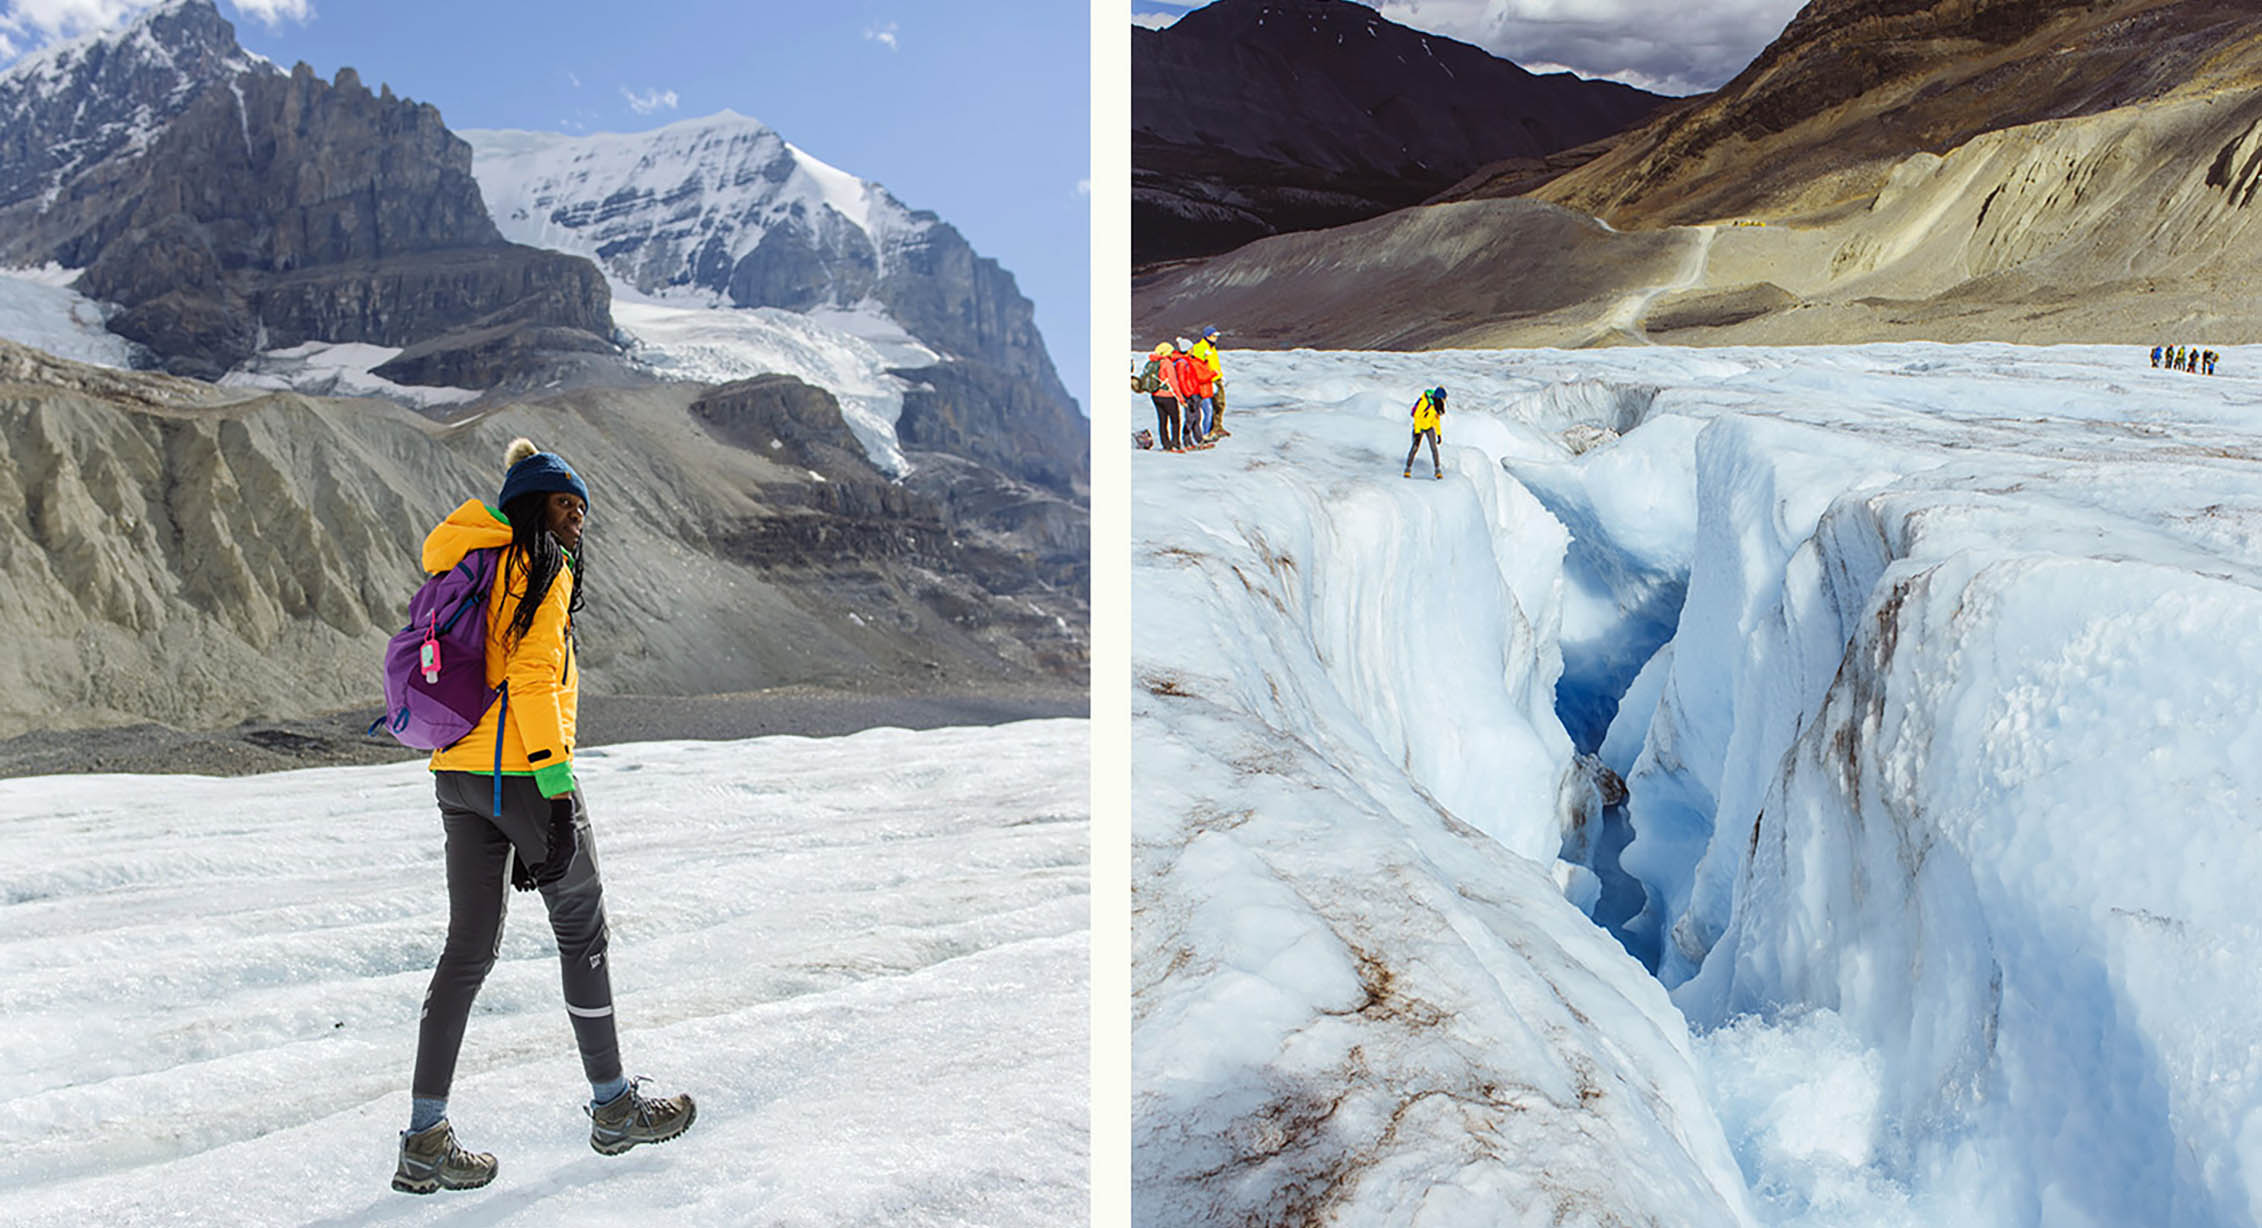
[[425, 1113], [601, 1094]]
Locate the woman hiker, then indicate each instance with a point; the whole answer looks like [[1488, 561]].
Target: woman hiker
[[514, 817]]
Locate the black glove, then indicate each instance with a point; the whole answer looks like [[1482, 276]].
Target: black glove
[[564, 843]]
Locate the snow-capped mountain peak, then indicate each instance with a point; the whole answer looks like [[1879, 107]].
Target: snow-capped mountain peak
[[715, 233], [714, 209], [84, 100]]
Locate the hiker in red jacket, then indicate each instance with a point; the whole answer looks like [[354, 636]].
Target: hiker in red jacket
[[1189, 377]]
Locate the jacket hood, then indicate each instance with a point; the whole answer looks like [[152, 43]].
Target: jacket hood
[[473, 526]]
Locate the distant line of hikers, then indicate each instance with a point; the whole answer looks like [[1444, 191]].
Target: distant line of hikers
[[1186, 381], [2184, 358]]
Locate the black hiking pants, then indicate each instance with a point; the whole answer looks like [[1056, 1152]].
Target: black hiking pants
[[1434, 463], [1166, 419], [479, 878]]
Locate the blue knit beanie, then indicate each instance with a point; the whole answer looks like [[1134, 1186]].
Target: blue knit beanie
[[531, 470]]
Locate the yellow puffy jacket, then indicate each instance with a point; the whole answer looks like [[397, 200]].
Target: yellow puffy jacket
[[1427, 413], [1207, 353], [543, 687]]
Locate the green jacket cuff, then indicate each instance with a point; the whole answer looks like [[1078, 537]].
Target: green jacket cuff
[[556, 779]]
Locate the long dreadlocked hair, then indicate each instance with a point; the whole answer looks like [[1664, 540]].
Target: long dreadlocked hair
[[539, 550]]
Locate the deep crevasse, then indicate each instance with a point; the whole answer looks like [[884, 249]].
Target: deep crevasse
[[1946, 665], [1359, 988]]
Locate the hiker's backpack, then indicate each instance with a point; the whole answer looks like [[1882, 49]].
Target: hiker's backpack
[[436, 667], [1149, 379]]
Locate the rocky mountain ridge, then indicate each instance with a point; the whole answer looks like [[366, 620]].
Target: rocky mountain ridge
[[70, 106], [1258, 117], [267, 209], [221, 208]]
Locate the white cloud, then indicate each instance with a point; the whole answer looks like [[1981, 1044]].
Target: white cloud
[[649, 101], [40, 22], [272, 13], [883, 34], [49, 20], [570, 77], [1084, 187], [1670, 46]]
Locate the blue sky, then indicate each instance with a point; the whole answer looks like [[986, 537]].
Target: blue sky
[[979, 112]]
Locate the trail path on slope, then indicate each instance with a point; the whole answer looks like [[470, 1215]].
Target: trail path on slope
[[1626, 317]]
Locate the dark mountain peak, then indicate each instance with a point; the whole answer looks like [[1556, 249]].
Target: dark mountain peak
[[70, 106], [1249, 14], [1302, 28], [1252, 117]]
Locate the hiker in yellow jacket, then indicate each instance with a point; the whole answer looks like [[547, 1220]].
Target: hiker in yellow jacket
[[1429, 412], [1205, 351], [512, 812]]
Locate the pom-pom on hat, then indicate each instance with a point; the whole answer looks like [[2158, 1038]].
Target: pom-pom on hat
[[531, 470]]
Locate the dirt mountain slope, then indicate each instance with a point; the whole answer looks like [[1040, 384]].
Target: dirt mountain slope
[[196, 558], [1851, 87]]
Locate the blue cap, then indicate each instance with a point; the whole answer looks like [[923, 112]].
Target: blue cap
[[544, 472], [1209, 331]]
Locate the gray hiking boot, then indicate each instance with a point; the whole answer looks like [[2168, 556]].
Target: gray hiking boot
[[430, 1160], [633, 1118]]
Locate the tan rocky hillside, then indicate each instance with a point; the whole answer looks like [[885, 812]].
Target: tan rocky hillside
[[189, 556], [1851, 88], [1887, 170]]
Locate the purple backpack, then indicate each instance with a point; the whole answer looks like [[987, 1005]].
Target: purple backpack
[[436, 667]]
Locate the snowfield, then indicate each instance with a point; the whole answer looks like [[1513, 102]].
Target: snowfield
[[1928, 672], [866, 956], [339, 369]]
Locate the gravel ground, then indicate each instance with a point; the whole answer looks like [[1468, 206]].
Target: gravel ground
[[271, 746]]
